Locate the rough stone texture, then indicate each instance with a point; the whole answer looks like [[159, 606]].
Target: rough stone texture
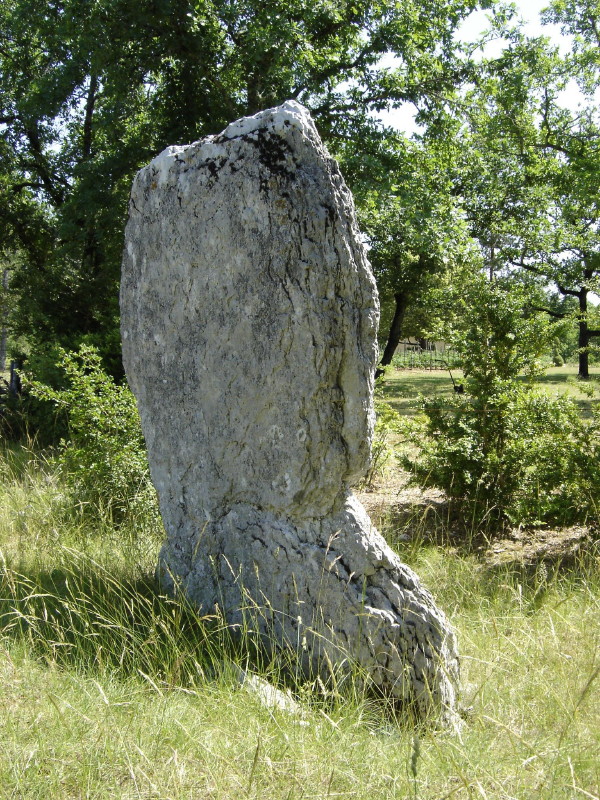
[[249, 316]]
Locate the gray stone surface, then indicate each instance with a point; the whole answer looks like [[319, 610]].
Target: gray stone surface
[[249, 316]]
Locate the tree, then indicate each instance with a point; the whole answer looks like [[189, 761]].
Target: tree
[[64, 181], [576, 270], [89, 93], [416, 230], [531, 176], [505, 451], [579, 19], [3, 318]]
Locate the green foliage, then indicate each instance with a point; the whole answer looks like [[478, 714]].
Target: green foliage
[[30, 417], [103, 460], [417, 236], [504, 451], [531, 171], [90, 92], [529, 459]]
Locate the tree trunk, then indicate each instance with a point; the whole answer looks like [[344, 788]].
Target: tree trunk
[[87, 135], [584, 370], [585, 333], [584, 336], [395, 333], [91, 250]]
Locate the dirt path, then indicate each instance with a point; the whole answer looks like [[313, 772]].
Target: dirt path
[[406, 512]]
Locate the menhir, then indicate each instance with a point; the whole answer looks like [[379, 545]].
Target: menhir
[[249, 318]]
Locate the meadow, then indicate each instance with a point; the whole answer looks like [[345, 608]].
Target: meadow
[[403, 386], [110, 690]]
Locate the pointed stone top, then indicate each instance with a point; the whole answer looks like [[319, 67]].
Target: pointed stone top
[[276, 120], [281, 121]]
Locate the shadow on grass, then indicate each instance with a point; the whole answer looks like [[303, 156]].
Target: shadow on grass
[[563, 375], [87, 618], [554, 377], [402, 388]]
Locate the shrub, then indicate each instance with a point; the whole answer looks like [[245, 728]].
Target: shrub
[[504, 450], [31, 417], [103, 459], [533, 463]]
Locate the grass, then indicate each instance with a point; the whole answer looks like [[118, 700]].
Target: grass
[[403, 386], [109, 690]]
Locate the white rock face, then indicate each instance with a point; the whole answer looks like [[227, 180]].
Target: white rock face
[[249, 315]]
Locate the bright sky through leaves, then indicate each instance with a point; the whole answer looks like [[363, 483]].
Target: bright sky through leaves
[[529, 11]]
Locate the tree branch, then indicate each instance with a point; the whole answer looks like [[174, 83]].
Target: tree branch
[[556, 314], [334, 69], [41, 166], [571, 292], [528, 267], [17, 187], [594, 26]]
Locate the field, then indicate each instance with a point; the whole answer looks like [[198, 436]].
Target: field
[[109, 690], [402, 387]]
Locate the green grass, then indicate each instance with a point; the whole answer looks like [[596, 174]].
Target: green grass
[[108, 690], [403, 386]]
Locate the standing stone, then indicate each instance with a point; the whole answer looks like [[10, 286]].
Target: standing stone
[[249, 318]]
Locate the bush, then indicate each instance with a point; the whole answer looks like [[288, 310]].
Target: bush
[[505, 451], [30, 417], [103, 460], [533, 463]]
